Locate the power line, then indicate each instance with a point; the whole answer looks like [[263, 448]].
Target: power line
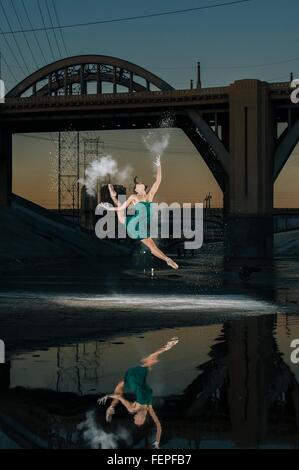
[[228, 67], [8, 67], [26, 39], [286, 61], [59, 25], [14, 37], [175, 150], [139, 17], [151, 67], [34, 33], [13, 54], [28, 18], [284, 78], [45, 29], [132, 146], [54, 31]]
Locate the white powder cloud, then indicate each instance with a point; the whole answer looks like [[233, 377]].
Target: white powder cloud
[[97, 438], [101, 168]]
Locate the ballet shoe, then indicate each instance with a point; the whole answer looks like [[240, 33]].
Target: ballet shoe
[[172, 264]]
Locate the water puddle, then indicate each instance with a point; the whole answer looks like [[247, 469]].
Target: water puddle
[[225, 385]]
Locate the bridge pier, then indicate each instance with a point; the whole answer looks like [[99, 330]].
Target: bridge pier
[[249, 221], [251, 367], [5, 377], [5, 165]]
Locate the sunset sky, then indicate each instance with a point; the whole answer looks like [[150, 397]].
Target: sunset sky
[[186, 178], [257, 39]]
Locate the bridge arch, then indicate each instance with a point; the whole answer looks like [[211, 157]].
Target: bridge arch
[[73, 74]]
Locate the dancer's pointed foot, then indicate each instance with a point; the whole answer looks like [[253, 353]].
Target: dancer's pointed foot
[[171, 343], [109, 413], [172, 264]]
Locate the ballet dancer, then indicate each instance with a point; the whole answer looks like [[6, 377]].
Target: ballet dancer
[[141, 200], [135, 382]]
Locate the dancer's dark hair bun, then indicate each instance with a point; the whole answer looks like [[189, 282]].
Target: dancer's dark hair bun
[[137, 182]]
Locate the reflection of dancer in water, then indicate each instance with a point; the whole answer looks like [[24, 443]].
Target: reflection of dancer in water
[[135, 382], [140, 200]]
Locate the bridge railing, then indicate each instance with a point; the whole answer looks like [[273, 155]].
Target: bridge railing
[[280, 90], [280, 86], [188, 95], [115, 98]]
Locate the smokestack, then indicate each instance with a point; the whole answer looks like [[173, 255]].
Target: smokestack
[[198, 75]]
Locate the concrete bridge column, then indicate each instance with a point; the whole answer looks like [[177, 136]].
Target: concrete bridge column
[[5, 165], [249, 224], [5, 377]]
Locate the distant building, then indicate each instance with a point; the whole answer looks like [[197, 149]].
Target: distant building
[[89, 204], [105, 194], [87, 211]]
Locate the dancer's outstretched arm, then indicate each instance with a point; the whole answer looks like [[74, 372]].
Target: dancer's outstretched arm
[[157, 183], [119, 208], [131, 407], [152, 358], [113, 195]]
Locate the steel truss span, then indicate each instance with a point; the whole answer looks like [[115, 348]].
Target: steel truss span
[[88, 74]]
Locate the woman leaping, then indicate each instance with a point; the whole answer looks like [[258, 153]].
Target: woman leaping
[[142, 201]]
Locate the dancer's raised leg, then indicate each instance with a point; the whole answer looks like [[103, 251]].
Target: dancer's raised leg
[[149, 242]]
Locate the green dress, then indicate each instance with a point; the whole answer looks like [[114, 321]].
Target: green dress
[[138, 225], [135, 382]]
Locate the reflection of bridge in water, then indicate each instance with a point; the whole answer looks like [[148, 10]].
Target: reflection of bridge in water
[[245, 395], [245, 132]]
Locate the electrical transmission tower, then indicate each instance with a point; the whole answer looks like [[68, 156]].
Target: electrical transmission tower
[[73, 160], [68, 172]]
